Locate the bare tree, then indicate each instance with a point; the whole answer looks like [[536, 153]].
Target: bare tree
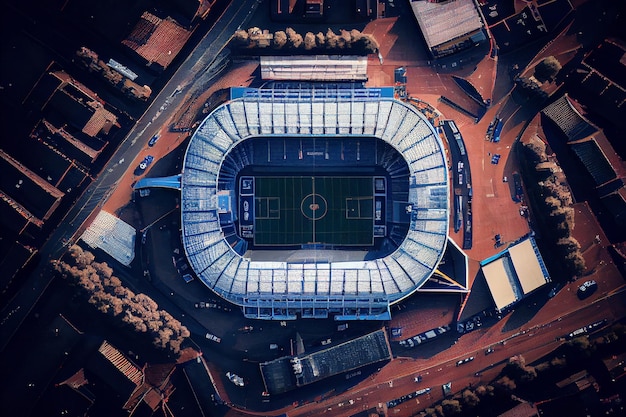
[[320, 40], [294, 39], [241, 36], [470, 399], [451, 407], [331, 39], [537, 149], [309, 41], [280, 39], [368, 43], [345, 38]]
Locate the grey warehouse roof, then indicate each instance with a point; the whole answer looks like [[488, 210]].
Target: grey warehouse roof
[[443, 22]]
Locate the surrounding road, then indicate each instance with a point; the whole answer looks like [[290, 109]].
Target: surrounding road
[[539, 338], [190, 76]]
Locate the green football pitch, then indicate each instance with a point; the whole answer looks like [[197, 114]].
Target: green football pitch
[[313, 210]]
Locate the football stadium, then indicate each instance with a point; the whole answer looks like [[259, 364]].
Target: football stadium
[[314, 200]]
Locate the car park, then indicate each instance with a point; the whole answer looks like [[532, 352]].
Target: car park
[[587, 289]]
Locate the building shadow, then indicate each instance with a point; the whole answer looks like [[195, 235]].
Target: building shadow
[[526, 309]]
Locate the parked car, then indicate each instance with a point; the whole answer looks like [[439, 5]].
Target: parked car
[[146, 162], [447, 388], [214, 338], [235, 379], [153, 140], [587, 288], [206, 304], [489, 351], [464, 361]]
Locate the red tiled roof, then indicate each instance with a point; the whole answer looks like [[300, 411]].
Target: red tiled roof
[[157, 375], [101, 120], [77, 380], [122, 363], [188, 354], [157, 40]]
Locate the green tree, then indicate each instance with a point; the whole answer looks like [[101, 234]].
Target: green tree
[[547, 69]]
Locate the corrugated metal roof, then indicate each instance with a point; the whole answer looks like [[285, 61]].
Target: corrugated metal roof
[[567, 118], [595, 161], [442, 22]]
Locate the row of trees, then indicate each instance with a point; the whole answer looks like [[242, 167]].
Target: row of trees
[[495, 396], [290, 39], [465, 401], [106, 292], [520, 378], [557, 201]]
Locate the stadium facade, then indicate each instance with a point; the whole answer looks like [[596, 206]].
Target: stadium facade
[[310, 286]]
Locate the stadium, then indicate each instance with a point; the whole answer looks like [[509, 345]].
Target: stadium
[[314, 200]]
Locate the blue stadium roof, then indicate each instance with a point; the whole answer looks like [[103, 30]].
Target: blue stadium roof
[[280, 289]]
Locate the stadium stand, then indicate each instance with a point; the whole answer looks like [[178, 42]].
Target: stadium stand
[[353, 127]]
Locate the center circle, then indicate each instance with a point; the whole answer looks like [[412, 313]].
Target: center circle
[[313, 207]]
